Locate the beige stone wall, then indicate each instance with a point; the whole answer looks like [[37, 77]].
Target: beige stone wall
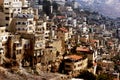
[[2, 20], [80, 65], [58, 45]]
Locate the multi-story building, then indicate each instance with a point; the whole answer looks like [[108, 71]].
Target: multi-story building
[[62, 34], [11, 9], [25, 3], [25, 24], [3, 40], [75, 63]]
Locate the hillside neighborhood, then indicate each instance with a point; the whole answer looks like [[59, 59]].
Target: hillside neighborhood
[[57, 40]]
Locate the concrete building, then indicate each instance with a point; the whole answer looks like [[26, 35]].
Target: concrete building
[[25, 3], [58, 44], [74, 64], [11, 9], [49, 54], [3, 41], [2, 20], [25, 24], [62, 34]]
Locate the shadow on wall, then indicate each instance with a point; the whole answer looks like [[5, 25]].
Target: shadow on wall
[[2, 21]]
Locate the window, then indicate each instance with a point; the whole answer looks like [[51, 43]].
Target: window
[[23, 29], [5, 37], [11, 14], [50, 50], [39, 29], [30, 28], [30, 22], [68, 66], [74, 66], [79, 65], [19, 29], [24, 23], [6, 24], [46, 37], [18, 51], [7, 13], [6, 8], [27, 46], [6, 18], [6, 3], [18, 23], [18, 9]]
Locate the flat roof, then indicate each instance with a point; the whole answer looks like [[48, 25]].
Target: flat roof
[[74, 57], [82, 49]]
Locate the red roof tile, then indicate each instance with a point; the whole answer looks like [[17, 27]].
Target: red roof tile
[[61, 17], [63, 29], [94, 40], [83, 49], [75, 57]]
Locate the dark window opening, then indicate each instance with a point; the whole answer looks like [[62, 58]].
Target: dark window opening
[[6, 24], [6, 18]]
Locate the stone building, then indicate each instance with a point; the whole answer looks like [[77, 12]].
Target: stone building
[[11, 9], [74, 64]]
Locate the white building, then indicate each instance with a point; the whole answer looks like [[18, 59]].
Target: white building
[[75, 63], [25, 3], [3, 35], [11, 9], [25, 24]]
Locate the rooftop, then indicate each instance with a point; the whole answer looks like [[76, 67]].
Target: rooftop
[[25, 16], [82, 49], [74, 57], [63, 29], [60, 17], [94, 40]]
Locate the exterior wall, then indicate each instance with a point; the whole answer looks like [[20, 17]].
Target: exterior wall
[[46, 34], [39, 42], [18, 49], [66, 36], [11, 9], [49, 55], [60, 35], [2, 20], [3, 35], [25, 26], [25, 3], [76, 66], [70, 32], [58, 45]]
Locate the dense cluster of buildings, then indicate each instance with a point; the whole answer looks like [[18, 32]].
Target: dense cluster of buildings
[[62, 43]]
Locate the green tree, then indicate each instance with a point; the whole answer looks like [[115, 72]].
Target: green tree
[[99, 68], [90, 64], [46, 7], [104, 76], [86, 75], [55, 6]]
